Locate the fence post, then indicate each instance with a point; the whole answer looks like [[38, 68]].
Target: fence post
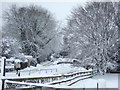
[[29, 72], [3, 70], [39, 71]]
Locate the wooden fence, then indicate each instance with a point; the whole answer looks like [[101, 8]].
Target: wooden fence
[[38, 70], [43, 81], [48, 80]]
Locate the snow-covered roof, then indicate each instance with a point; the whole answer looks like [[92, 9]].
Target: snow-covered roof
[[28, 56], [10, 60], [18, 60]]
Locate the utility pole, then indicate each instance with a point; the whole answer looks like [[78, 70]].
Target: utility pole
[[3, 61]]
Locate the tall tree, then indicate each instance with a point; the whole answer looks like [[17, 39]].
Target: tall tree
[[34, 26], [92, 34], [118, 24]]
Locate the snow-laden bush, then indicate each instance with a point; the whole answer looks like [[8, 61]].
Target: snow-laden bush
[[111, 66], [35, 28], [10, 46]]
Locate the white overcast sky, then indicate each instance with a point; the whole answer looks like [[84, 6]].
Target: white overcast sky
[[60, 8]]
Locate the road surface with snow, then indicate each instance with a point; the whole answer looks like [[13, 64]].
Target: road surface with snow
[[111, 81]]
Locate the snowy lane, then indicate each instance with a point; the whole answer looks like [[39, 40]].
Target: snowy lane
[[110, 79]]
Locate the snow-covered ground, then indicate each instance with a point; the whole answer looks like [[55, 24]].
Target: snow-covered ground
[[111, 81], [104, 81], [44, 70], [41, 70], [48, 68]]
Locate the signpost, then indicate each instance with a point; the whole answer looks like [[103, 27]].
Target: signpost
[[3, 70]]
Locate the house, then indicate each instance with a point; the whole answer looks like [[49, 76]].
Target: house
[[69, 61]]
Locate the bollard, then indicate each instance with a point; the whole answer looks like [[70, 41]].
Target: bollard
[[39, 71], [97, 86], [101, 83], [83, 88], [29, 72], [19, 74]]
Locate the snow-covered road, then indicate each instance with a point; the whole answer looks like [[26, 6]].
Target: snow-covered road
[[111, 81]]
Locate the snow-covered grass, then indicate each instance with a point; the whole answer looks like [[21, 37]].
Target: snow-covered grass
[[41, 70], [45, 68]]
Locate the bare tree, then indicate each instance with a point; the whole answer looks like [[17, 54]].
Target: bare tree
[[118, 24], [33, 26], [93, 35]]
